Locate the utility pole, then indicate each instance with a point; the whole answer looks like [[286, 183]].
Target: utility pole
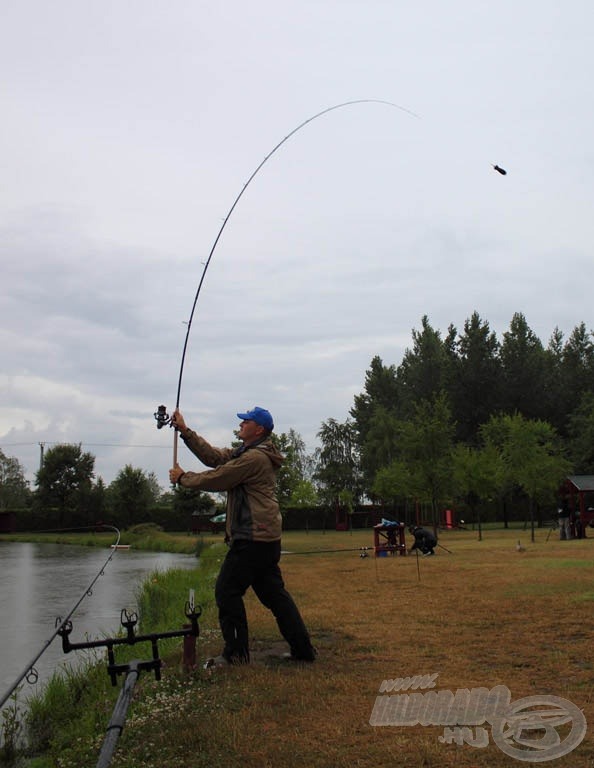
[[41, 447]]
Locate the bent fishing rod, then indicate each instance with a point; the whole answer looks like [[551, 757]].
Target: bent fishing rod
[[29, 672], [161, 416]]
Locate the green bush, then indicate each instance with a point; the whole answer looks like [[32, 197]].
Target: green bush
[[145, 529]]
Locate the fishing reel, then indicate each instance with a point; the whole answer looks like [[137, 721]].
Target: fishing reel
[[162, 417]]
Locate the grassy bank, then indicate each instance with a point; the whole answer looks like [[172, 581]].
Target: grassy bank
[[479, 615], [142, 537]]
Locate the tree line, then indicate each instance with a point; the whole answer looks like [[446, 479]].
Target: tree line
[[68, 495], [464, 419], [468, 419]]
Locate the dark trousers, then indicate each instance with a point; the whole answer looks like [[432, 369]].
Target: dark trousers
[[255, 564]]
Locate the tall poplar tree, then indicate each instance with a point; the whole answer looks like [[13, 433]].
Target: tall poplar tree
[[523, 370], [424, 372], [380, 391], [577, 369], [555, 402], [14, 489], [64, 484], [475, 387], [337, 468]]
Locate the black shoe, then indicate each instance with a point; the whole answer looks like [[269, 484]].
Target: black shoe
[[303, 656]]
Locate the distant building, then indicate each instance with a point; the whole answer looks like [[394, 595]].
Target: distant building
[[579, 492]]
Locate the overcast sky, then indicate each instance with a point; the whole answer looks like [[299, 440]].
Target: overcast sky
[[128, 129]]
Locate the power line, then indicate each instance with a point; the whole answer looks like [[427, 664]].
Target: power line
[[91, 445]]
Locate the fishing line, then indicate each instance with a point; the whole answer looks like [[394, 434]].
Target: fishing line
[[161, 415], [29, 671], [328, 551]]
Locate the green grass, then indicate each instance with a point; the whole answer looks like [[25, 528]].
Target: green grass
[[572, 564], [147, 538]]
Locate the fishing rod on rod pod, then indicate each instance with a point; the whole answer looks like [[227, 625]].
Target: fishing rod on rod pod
[[162, 417], [29, 672], [363, 554], [362, 550]]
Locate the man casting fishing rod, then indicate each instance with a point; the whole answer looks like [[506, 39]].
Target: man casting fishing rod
[[253, 531]]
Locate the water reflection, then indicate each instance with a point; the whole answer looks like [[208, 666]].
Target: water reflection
[[43, 581]]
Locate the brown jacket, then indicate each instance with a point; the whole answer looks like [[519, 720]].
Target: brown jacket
[[248, 474]]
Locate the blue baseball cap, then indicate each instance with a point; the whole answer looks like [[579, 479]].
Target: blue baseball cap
[[260, 415]]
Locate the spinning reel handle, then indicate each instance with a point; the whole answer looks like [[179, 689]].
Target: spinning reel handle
[[162, 417]]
